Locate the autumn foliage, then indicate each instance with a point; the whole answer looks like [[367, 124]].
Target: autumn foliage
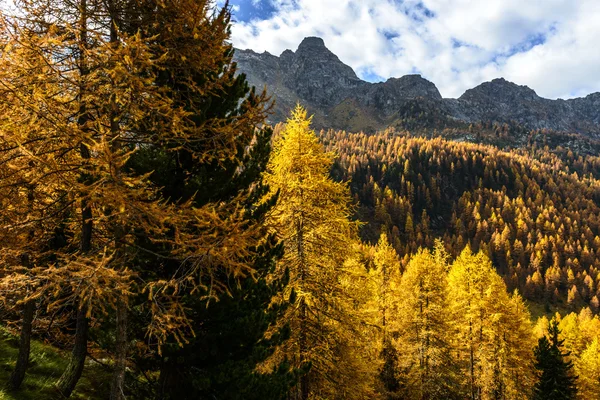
[[148, 217]]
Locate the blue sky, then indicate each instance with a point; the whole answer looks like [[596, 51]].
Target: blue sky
[[548, 45], [248, 10]]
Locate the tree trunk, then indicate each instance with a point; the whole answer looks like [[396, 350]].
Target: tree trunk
[[24, 346], [304, 386], [118, 381], [18, 373], [67, 382], [304, 383], [169, 378], [471, 367]]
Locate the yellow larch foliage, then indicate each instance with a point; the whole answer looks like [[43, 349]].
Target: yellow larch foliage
[[312, 217], [386, 279], [79, 99], [587, 368], [422, 322], [581, 333], [571, 334], [541, 327], [520, 341], [488, 329]]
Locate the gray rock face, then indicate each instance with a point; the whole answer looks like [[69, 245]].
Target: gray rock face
[[500, 100], [316, 78], [317, 75], [389, 96]]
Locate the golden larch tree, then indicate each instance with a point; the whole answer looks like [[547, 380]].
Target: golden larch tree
[[587, 368], [385, 281], [312, 217], [487, 327], [426, 365]]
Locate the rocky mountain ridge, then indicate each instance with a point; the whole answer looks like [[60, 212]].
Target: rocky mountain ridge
[[339, 99]]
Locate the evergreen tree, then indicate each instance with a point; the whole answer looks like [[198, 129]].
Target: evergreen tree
[[223, 360], [218, 172], [556, 378]]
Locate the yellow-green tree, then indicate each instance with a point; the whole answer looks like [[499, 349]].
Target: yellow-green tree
[[488, 327], [426, 365], [589, 325], [570, 332], [385, 280], [387, 277], [588, 372], [312, 217], [518, 353], [81, 96]]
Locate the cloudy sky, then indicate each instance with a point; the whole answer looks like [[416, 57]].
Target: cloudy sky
[[552, 46]]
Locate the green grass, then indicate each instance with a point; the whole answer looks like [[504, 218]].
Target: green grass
[[46, 365]]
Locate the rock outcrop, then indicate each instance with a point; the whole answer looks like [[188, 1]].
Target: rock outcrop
[[339, 99]]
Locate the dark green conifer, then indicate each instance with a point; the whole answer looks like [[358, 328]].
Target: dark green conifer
[[221, 359], [387, 371], [557, 380]]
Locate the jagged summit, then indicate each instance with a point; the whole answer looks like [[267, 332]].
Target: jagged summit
[[287, 53], [316, 77], [500, 88], [311, 42], [414, 85]]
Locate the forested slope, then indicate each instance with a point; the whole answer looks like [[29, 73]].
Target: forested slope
[[534, 211]]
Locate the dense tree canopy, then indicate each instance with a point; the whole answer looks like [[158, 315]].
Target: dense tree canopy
[[96, 113], [534, 212], [151, 221]]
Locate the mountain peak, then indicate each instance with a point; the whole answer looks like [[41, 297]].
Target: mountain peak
[[316, 77], [312, 42], [500, 89], [410, 87]]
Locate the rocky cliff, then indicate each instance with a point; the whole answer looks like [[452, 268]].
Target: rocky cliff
[[339, 99]]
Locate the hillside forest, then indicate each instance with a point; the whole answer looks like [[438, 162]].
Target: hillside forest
[[158, 240]]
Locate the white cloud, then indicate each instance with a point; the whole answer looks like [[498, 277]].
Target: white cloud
[[549, 45]]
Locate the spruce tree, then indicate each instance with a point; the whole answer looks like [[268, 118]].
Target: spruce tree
[[556, 377], [224, 336], [221, 361]]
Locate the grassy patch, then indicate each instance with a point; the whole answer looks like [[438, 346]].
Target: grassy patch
[[348, 115], [46, 365]]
